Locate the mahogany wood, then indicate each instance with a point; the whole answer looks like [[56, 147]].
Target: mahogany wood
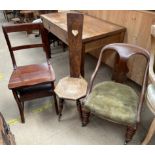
[[30, 81], [123, 53]]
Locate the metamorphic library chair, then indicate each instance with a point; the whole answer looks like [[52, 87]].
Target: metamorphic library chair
[[113, 100], [30, 81]]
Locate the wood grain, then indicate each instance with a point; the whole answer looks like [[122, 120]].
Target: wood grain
[[138, 25], [96, 33], [30, 81]]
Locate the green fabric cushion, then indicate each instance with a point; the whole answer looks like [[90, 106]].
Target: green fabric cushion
[[113, 101]]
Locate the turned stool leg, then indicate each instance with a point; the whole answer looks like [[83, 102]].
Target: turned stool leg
[[129, 133], [86, 115], [60, 108], [55, 99], [150, 133], [79, 109], [55, 103]]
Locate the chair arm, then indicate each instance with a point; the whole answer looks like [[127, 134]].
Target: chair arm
[[143, 91], [90, 84], [151, 72], [152, 60], [151, 68]]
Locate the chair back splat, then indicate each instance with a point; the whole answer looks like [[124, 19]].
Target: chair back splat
[[25, 27], [75, 28]]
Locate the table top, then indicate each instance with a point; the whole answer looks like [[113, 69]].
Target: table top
[[26, 11], [93, 28]]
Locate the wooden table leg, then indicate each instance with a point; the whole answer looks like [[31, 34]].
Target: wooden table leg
[[150, 133]]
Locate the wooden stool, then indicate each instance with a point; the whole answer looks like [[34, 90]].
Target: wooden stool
[[74, 86], [72, 89]]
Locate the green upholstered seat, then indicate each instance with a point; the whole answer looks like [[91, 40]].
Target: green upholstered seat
[[113, 101]]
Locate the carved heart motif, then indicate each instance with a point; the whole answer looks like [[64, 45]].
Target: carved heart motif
[[75, 32]]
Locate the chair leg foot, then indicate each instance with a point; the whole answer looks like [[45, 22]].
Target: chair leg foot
[[59, 118], [129, 133], [86, 115]]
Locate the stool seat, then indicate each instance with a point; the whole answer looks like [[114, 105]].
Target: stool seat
[[71, 88]]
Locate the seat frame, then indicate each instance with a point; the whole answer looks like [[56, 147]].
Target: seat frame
[[123, 53], [16, 89]]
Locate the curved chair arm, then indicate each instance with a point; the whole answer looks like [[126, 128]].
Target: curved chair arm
[[142, 94], [152, 59], [90, 84], [151, 69]]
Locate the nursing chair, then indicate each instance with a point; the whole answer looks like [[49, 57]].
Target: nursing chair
[[73, 87], [150, 95], [30, 81], [114, 100]]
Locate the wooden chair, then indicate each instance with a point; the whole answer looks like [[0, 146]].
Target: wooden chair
[[74, 86], [27, 15], [51, 37], [37, 13], [8, 14], [113, 100], [150, 95], [30, 81]]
